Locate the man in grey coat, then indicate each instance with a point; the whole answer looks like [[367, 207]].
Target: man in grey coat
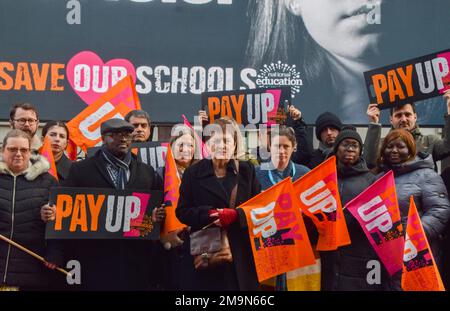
[[405, 117]]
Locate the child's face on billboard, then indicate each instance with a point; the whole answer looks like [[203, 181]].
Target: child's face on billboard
[[345, 28]]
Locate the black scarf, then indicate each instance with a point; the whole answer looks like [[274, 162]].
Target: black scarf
[[119, 170]]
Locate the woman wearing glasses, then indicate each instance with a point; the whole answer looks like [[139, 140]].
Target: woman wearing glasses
[[346, 268], [24, 189]]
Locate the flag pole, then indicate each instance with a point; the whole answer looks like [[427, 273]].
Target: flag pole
[[30, 253]]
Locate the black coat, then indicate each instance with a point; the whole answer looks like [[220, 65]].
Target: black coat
[[21, 198], [113, 264], [63, 167], [346, 268], [200, 191]]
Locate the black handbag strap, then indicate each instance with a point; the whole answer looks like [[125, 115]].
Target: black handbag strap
[[235, 188]]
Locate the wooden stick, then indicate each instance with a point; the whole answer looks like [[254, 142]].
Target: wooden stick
[[30, 253]]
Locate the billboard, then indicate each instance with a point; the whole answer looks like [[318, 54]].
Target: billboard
[[62, 55]]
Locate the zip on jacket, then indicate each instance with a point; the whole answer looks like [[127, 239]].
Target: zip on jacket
[[12, 228]]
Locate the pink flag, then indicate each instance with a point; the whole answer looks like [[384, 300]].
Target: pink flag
[[376, 210], [198, 140]]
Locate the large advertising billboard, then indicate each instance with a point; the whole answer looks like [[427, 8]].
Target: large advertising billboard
[[61, 55]]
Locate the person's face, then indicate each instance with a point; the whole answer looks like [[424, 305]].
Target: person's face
[[396, 152], [141, 129], [339, 26], [328, 136], [16, 154], [25, 120], [281, 150], [221, 146], [58, 139], [404, 118], [118, 143], [348, 151], [183, 150]]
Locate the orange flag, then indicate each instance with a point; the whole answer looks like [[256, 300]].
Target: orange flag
[[46, 152], [320, 200], [277, 233], [84, 129], [420, 272], [171, 194]]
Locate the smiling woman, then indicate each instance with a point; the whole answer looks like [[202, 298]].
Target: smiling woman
[[24, 189], [415, 176]]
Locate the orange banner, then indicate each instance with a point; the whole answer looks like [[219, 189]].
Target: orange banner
[[420, 272], [46, 152], [319, 199], [116, 103], [277, 233], [172, 184]]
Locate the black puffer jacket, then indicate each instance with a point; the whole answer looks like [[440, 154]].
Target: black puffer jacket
[[419, 179], [346, 268], [21, 198]]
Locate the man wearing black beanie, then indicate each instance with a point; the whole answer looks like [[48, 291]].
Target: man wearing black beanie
[[328, 126]]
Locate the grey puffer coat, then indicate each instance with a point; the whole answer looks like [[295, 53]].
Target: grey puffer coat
[[419, 179]]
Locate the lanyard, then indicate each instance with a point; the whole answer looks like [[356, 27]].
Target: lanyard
[[271, 176]]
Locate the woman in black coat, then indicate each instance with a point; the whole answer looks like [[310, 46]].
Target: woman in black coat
[[205, 198], [346, 268], [24, 189]]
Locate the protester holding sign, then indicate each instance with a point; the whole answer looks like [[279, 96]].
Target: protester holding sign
[[405, 117], [346, 268], [414, 175], [333, 49], [25, 185], [58, 134], [206, 195], [113, 264], [328, 126]]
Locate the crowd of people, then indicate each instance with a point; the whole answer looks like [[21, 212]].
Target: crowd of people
[[211, 190]]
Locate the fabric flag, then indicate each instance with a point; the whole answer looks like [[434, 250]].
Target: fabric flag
[[377, 211], [320, 200], [46, 152], [71, 150], [198, 140], [420, 272], [277, 233], [84, 129], [172, 184], [302, 279]]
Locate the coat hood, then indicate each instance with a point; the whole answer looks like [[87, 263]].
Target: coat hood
[[38, 166]]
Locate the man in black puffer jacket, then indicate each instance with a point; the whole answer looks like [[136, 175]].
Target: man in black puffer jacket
[[24, 189]]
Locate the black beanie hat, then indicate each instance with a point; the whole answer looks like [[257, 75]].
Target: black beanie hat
[[347, 132], [327, 119]]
